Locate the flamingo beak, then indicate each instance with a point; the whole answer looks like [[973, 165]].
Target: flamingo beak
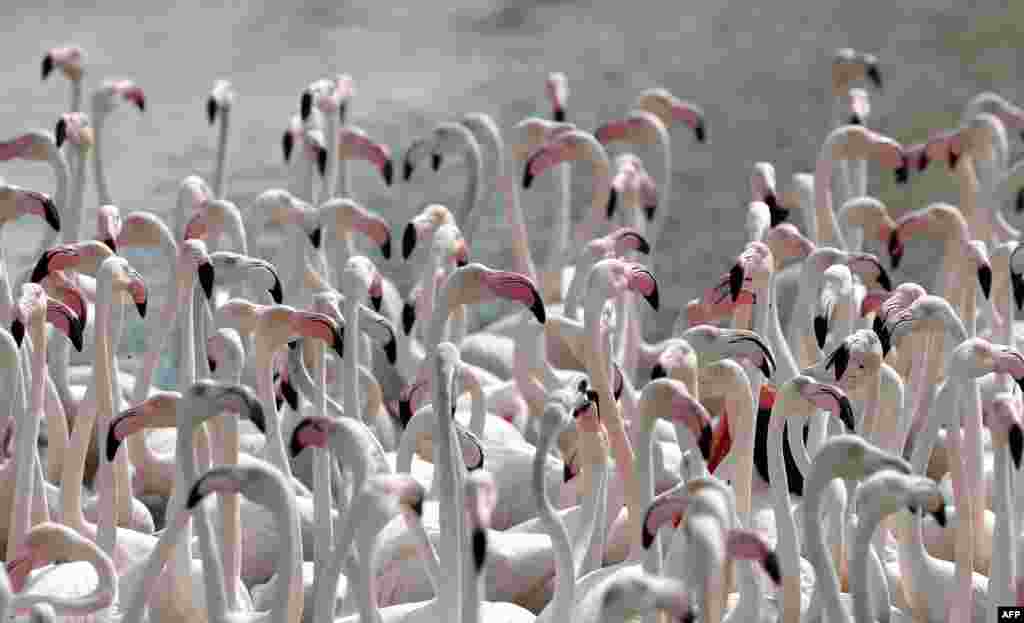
[[305, 105], [409, 237], [883, 279], [408, 317], [649, 211], [895, 249], [613, 200], [18, 331], [338, 343], [50, 214], [314, 238], [902, 172], [110, 242], [287, 144], [704, 442], [391, 350], [658, 372], [276, 292], [771, 566], [321, 161], [875, 75], [1016, 442], [211, 109], [736, 277], [558, 114], [387, 171], [700, 131], [407, 168], [385, 247], [846, 414], [376, 302], [61, 132], [568, 471], [923, 161], [76, 332], [47, 67], [855, 119], [985, 279], [212, 363], [820, 330], [141, 306], [42, 268], [778, 213], [206, 279], [405, 412], [435, 161], [296, 444], [113, 443], [528, 172], [1019, 207], [940, 516], [953, 159], [537, 307], [479, 549], [290, 395], [1017, 280], [840, 359]]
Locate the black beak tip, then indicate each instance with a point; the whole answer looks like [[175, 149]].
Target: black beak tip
[[985, 280], [338, 344], [258, 419], [61, 132], [287, 143], [902, 172], [142, 308], [654, 298], [78, 334], [884, 280], [923, 161], [841, 360], [295, 447], [408, 241], [940, 516], [211, 110], [954, 158], [539, 312], [290, 395], [773, 568], [42, 268], [110, 242], [1016, 442], [895, 249], [820, 330], [278, 401], [558, 114], [479, 549], [766, 368], [212, 364], [658, 372], [1020, 200], [649, 212], [387, 171], [314, 238], [435, 162], [376, 302], [646, 537], [306, 105], [112, 444], [855, 120], [47, 66], [643, 246], [276, 292], [846, 414], [17, 331], [141, 104], [1017, 281], [528, 174], [875, 76], [613, 200], [404, 413], [704, 443], [735, 282], [321, 161], [407, 170], [701, 132], [408, 317], [391, 350], [385, 248], [206, 278], [194, 497]]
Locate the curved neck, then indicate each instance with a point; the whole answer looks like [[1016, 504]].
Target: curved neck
[[102, 190], [827, 233], [327, 185], [351, 385], [452, 517], [1003, 550], [471, 195], [787, 368], [565, 572], [814, 545], [858, 571], [788, 547], [105, 299], [265, 388], [186, 378], [21, 513], [98, 599], [60, 198]]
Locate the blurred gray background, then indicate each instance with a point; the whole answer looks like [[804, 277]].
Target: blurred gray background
[[761, 74]]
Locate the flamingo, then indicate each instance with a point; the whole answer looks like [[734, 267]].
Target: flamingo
[[218, 106], [70, 60], [104, 102]]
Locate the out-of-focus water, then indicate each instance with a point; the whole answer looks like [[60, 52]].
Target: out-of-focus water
[[760, 72]]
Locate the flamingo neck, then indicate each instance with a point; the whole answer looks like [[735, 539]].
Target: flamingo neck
[[21, 516], [785, 524], [452, 518], [219, 172], [1003, 552], [867, 524], [102, 190], [665, 199], [565, 571], [107, 522], [814, 544], [827, 233]]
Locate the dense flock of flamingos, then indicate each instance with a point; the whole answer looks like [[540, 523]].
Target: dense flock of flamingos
[[858, 465]]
